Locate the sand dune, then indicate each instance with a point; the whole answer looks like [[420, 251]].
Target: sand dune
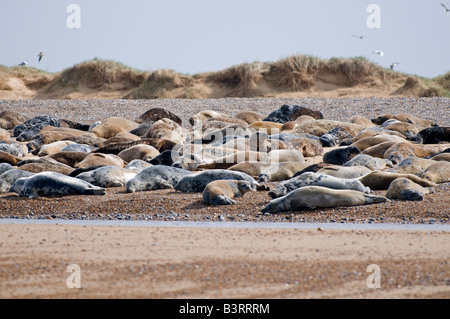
[[293, 77]]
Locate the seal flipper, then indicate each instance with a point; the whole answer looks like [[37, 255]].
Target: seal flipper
[[222, 200], [95, 191]]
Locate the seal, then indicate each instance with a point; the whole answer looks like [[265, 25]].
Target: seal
[[113, 125], [156, 177], [433, 135], [141, 151], [53, 148], [373, 163], [346, 172], [10, 119], [368, 142], [267, 127], [376, 131], [155, 114], [168, 130], [115, 148], [287, 113], [403, 117], [407, 129], [13, 148], [204, 116], [251, 168], [46, 165], [341, 155], [357, 119], [52, 183], [96, 159], [278, 156], [380, 180], [311, 197], [228, 161], [76, 147], [405, 189], [378, 150], [197, 182], [399, 151], [168, 157], [249, 116], [412, 165], [441, 157], [321, 127], [312, 168], [9, 177], [281, 171], [69, 158], [108, 176], [75, 125], [222, 192], [308, 147], [5, 167], [438, 173], [317, 179], [138, 165], [4, 135]]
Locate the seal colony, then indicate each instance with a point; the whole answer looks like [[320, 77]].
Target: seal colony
[[234, 154]]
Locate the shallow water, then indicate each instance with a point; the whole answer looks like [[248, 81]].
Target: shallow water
[[253, 225]]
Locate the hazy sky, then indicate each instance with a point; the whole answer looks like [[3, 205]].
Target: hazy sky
[[193, 36]]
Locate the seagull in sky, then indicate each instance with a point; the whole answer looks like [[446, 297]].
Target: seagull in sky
[[362, 36], [40, 55], [394, 64], [23, 63], [380, 53], [447, 10]]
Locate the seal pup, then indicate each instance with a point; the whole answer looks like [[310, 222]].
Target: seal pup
[[156, 177], [316, 179], [222, 192], [311, 197], [405, 189], [52, 183]]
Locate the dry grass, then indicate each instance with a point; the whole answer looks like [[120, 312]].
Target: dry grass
[[242, 79], [297, 73], [33, 78], [294, 73], [159, 83], [97, 74]]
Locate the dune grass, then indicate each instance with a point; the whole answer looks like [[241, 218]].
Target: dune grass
[[97, 74], [291, 74]]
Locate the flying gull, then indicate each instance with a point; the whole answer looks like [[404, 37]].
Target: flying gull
[[447, 10], [40, 55], [359, 36], [380, 53]]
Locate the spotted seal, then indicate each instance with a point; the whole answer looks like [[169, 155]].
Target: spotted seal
[[316, 179], [52, 183], [311, 197], [197, 182], [156, 177]]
